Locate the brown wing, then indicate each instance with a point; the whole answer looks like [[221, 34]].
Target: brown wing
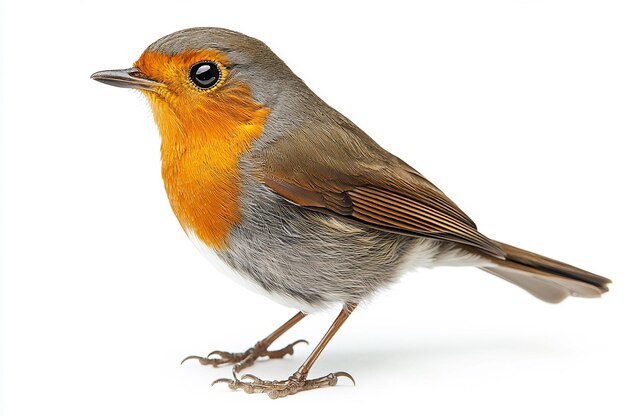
[[339, 170]]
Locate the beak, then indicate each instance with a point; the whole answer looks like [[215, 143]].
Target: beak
[[127, 78]]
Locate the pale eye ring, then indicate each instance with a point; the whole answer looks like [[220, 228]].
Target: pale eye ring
[[205, 74]]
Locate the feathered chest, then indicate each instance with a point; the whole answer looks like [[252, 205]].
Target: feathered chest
[[200, 151], [203, 187]]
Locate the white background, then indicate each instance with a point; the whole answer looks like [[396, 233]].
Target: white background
[[514, 108]]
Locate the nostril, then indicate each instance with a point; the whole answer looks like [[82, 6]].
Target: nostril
[[138, 74]]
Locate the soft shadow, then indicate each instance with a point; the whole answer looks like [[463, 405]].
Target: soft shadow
[[423, 357], [416, 355]]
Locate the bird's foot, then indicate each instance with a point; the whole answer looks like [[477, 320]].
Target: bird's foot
[[244, 359], [278, 389]]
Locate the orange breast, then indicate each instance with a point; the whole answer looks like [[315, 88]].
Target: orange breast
[[203, 136]]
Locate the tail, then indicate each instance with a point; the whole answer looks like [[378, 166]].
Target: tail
[[549, 280]]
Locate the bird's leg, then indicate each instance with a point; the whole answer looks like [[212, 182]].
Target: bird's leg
[[245, 359], [298, 381]]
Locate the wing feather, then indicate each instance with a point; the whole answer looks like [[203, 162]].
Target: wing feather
[[341, 171]]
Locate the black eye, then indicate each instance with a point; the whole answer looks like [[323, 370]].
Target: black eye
[[205, 74]]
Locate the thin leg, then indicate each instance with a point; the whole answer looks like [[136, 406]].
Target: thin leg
[[298, 381], [245, 359]]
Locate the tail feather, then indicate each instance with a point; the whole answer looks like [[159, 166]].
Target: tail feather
[[545, 278]]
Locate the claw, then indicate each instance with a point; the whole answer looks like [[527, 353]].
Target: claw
[[220, 380], [280, 353], [251, 377], [222, 355], [215, 352], [347, 375], [200, 358]]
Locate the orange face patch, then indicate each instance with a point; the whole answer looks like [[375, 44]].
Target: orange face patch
[[204, 133]]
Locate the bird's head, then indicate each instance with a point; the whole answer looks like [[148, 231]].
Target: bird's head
[[208, 82]]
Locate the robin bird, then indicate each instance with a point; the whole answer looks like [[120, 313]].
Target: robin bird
[[296, 200]]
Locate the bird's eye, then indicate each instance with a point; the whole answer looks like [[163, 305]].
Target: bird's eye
[[205, 74]]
